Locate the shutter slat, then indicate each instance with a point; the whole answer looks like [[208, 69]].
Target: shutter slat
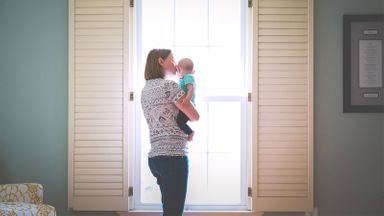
[[102, 193], [285, 109], [283, 60], [98, 38], [283, 18], [98, 150], [104, 171], [283, 3], [102, 122], [282, 144], [99, 95], [91, 101], [96, 87], [98, 3], [98, 32], [97, 129], [283, 137], [283, 11], [282, 165], [284, 187], [282, 74], [99, 10], [283, 81], [284, 151], [97, 164], [101, 178], [283, 116], [284, 67], [284, 179], [97, 80], [281, 158], [98, 158], [102, 18], [282, 130], [295, 193], [98, 109], [99, 116], [107, 45], [100, 67], [283, 39], [98, 185], [282, 53], [281, 102], [98, 73], [283, 25], [283, 46], [282, 88], [99, 136], [100, 52], [96, 25]]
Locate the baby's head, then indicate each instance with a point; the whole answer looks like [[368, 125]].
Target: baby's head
[[185, 66]]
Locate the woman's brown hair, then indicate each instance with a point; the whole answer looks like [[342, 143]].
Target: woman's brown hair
[[153, 69]]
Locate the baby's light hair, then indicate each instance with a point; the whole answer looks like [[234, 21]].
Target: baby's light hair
[[186, 64]]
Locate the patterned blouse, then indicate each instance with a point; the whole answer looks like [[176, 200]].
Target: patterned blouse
[[158, 99]]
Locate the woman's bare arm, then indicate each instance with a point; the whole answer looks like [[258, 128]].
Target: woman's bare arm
[[187, 108]]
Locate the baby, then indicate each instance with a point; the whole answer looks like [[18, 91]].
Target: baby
[[187, 83]]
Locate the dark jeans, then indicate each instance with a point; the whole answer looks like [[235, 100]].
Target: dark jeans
[[182, 120], [171, 173]]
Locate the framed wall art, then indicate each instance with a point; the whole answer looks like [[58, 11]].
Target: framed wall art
[[363, 63]]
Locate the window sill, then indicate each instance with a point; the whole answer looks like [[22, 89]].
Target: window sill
[[193, 213]]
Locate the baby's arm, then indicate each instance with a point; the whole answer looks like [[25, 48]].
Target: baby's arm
[[191, 91], [187, 108]]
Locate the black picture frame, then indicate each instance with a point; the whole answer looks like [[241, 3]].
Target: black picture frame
[[352, 91]]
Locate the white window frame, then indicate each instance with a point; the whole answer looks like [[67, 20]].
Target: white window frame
[[245, 118]]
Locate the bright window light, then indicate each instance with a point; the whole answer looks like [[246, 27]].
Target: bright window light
[[212, 34]]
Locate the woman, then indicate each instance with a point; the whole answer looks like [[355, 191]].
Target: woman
[[161, 101]]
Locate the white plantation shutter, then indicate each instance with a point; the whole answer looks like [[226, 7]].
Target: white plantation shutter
[[283, 106], [97, 154]]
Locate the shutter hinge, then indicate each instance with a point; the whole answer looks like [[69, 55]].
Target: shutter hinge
[[250, 3], [249, 192], [249, 96], [130, 191], [131, 3], [131, 96]]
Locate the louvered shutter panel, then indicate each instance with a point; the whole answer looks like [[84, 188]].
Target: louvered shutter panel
[[283, 108], [97, 172]]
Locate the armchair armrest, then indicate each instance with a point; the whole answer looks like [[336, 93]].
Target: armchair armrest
[[25, 192]]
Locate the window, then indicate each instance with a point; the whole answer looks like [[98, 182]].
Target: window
[[212, 33], [277, 163]]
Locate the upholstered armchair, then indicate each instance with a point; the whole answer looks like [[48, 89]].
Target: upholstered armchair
[[24, 199]]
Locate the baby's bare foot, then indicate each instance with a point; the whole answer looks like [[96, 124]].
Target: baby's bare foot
[[190, 136]]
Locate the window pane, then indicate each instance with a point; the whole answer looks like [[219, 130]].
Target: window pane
[[157, 26], [224, 22], [215, 164], [225, 73], [224, 127], [191, 22], [219, 71]]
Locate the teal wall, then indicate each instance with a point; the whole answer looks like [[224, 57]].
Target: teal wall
[[348, 147], [349, 152]]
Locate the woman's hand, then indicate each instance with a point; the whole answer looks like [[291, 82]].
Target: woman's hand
[[187, 108]]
